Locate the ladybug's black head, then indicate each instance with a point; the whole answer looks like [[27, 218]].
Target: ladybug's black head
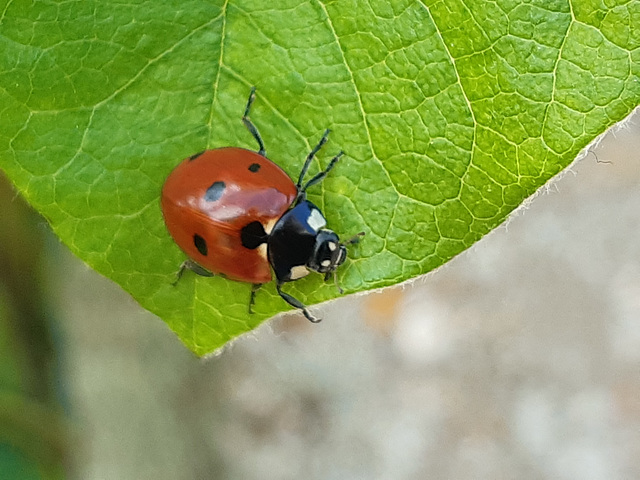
[[328, 253]]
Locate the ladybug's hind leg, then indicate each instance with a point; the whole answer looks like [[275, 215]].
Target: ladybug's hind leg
[[249, 124], [294, 302], [252, 300], [194, 267]]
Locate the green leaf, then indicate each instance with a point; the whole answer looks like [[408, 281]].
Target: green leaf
[[451, 114]]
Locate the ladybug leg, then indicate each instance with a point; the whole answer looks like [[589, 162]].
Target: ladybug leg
[[294, 302], [252, 300], [312, 154], [320, 176], [335, 281], [194, 267], [249, 124]]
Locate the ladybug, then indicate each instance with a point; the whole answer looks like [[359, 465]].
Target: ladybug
[[236, 213]]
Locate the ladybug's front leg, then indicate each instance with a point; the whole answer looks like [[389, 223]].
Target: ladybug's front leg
[[307, 162], [319, 176], [302, 189], [294, 302]]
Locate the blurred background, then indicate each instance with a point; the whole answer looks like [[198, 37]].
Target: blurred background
[[519, 359]]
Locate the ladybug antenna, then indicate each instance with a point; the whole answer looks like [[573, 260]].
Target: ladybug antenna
[[354, 239], [319, 176]]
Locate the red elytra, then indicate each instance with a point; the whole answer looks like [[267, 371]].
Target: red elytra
[[217, 193]]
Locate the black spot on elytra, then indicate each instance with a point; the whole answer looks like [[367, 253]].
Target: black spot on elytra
[[254, 167], [200, 244], [214, 192], [253, 235], [193, 157]]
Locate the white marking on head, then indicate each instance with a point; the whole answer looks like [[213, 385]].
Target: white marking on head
[[262, 250], [316, 220], [332, 246], [325, 263], [298, 271]]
